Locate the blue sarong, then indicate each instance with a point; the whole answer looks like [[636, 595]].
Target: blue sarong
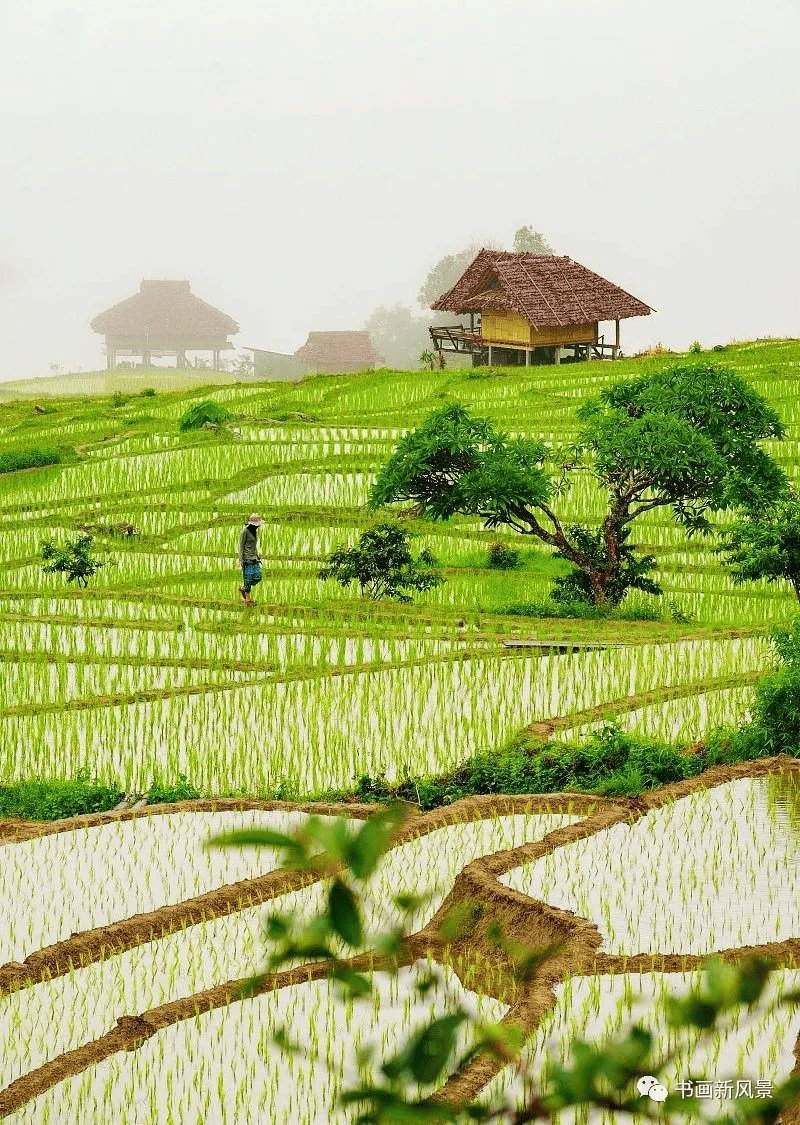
[[251, 573]]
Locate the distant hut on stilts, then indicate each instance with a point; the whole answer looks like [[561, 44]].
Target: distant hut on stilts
[[532, 308], [163, 319]]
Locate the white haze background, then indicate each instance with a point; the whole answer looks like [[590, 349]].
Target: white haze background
[[302, 163]]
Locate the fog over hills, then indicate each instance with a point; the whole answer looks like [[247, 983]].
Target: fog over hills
[[303, 164]]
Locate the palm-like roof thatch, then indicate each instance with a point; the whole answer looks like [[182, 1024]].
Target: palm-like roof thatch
[[164, 309], [338, 351], [549, 291]]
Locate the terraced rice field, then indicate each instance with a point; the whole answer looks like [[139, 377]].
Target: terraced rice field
[[157, 669], [137, 1017]]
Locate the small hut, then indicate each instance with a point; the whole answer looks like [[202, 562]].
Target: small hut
[[337, 351], [164, 318], [532, 308]]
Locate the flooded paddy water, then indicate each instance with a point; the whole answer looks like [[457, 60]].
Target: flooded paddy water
[[715, 870], [747, 1054]]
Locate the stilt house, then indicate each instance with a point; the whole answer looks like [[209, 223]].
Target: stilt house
[[163, 319], [532, 308]]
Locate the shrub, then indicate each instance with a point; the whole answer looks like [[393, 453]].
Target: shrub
[[381, 564], [502, 557], [560, 609], [611, 762], [73, 559], [696, 347], [632, 573], [35, 457], [678, 615], [159, 794], [149, 392], [775, 725], [54, 800], [197, 416]]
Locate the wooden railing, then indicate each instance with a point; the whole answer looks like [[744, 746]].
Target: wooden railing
[[454, 338]]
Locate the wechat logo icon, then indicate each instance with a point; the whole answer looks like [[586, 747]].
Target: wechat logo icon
[[649, 1085]]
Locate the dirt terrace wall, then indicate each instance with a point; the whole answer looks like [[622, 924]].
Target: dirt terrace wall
[[477, 890]]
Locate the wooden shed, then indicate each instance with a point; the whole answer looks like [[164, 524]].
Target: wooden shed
[[337, 351], [164, 318], [532, 308]]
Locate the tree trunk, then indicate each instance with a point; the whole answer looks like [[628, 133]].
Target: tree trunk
[[597, 577]]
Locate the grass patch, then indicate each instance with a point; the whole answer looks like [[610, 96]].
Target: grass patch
[[183, 790], [611, 763], [55, 800], [33, 458], [581, 610]]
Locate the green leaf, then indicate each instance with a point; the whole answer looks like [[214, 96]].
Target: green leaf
[[345, 914], [255, 838], [282, 1040], [408, 903], [428, 1055], [277, 927], [753, 976], [333, 836], [370, 843], [355, 984]]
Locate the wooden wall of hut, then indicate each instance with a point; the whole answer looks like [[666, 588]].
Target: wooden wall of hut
[[512, 328]]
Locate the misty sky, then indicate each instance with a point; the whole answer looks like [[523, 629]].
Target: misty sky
[[302, 163]]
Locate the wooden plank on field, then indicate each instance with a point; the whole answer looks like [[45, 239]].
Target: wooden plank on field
[[562, 646]]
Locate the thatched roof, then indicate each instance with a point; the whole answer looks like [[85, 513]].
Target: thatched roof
[[162, 309], [549, 291], [338, 351]]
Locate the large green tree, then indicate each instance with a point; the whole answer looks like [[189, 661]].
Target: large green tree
[[685, 438], [532, 241], [442, 276], [398, 335], [764, 543]]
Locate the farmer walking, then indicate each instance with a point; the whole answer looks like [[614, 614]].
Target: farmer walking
[[249, 558]]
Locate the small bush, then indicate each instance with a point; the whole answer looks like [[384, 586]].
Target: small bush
[[197, 416], [775, 725], [611, 762], [678, 615], [371, 789], [553, 609], [381, 564], [149, 392], [576, 586], [159, 794], [74, 559], [35, 457], [696, 347], [502, 557], [55, 800]]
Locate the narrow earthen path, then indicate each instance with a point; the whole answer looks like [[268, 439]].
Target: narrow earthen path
[[571, 942]]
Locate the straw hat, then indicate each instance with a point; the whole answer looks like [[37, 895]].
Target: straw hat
[[255, 518]]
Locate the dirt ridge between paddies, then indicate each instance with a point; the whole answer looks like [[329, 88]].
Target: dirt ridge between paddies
[[355, 609], [573, 940], [264, 675], [544, 728], [531, 922], [97, 944]]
